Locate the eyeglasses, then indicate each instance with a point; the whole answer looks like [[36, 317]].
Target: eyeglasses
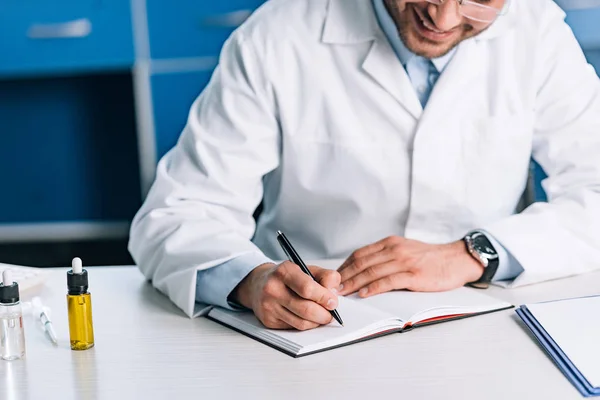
[[476, 11]]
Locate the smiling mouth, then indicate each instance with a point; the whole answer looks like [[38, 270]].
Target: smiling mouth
[[427, 23], [427, 28]]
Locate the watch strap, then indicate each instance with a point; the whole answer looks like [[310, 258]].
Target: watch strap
[[488, 272], [488, 275]]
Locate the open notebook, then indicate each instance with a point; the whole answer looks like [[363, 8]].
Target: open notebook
[[366, 318]]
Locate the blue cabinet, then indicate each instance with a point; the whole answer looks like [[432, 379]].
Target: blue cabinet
[[44, 37], [185, 41], [92, 93], [68, 150], [586, 27], [172, 95], [192, 28], [68, 146], [72, 145]]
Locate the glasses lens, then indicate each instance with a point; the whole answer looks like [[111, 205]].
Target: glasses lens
[[479, 12], [473, 10]]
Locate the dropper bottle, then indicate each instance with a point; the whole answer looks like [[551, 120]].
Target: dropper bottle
[[79, 303], [12, 334]]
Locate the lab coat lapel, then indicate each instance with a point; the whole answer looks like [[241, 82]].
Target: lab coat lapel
[[383, 66], [454, 89], [353, 22], [456, 85]]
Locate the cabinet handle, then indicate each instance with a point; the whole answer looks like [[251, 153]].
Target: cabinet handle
[[228, 20], [79, 28], [578, 4]]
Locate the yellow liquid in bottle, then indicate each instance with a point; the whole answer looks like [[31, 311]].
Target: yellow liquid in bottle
[[81, 327]]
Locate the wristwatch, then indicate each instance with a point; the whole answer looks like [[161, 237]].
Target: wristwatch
[[480, 247]]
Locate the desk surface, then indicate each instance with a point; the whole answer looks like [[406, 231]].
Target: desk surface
[[146, 348]]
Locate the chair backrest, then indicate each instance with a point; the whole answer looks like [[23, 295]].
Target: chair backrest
[[529, 195]]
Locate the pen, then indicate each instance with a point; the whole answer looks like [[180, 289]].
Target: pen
[[295, 258]]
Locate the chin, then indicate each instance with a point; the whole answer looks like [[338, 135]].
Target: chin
[[425, 48]]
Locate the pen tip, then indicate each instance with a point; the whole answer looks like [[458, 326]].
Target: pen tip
[[279, 233]]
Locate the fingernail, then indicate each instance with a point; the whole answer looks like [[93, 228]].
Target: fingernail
[[331, 304], [334, 291], [340, 288], [363, 292]]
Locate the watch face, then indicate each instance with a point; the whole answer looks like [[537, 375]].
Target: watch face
[[483, 246]]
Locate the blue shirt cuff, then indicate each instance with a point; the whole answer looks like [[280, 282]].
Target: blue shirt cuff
[[509, 268], [214, 285]]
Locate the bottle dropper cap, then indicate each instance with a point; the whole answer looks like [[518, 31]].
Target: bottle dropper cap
[[77, 278], [9, 289]]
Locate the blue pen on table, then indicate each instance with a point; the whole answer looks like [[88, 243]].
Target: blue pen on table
[[295, 258]]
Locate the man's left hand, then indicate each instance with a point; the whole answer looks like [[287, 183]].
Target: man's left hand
[[397, 263]]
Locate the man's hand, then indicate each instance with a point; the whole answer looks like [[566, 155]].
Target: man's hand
[[284, 297], [398, 263]]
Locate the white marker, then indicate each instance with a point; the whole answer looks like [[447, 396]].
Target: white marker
[[77, 266], [43, 313]]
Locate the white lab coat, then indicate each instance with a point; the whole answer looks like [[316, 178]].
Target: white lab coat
[[311, 109]]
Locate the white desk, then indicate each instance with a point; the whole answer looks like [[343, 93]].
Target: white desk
[[146, 348]]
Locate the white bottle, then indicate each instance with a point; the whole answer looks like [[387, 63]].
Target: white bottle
[[12, 335]]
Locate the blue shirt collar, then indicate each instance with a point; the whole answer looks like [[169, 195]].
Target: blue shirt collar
[[391, 32]]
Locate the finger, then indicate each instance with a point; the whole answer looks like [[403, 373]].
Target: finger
[[305, 287], [276, 323], [294, 321], [359, 265], [307, 309], [402, 280], [376, 247], [368, 276], [362, 252], [327, 278]]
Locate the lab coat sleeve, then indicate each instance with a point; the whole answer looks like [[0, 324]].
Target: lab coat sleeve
[[508, 266], [215, 284], [199, 211], [562, 237]]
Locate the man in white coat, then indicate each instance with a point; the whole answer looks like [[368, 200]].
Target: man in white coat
[[395, 134]]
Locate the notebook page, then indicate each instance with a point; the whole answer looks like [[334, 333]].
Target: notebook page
[[575, 327], [359, 320], [415, 306]]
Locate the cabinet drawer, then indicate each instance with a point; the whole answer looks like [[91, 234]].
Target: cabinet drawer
[[172, 97], [583, 17], [39, 37], [192, 28]]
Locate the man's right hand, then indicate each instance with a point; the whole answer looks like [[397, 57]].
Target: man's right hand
[[284, 297]]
